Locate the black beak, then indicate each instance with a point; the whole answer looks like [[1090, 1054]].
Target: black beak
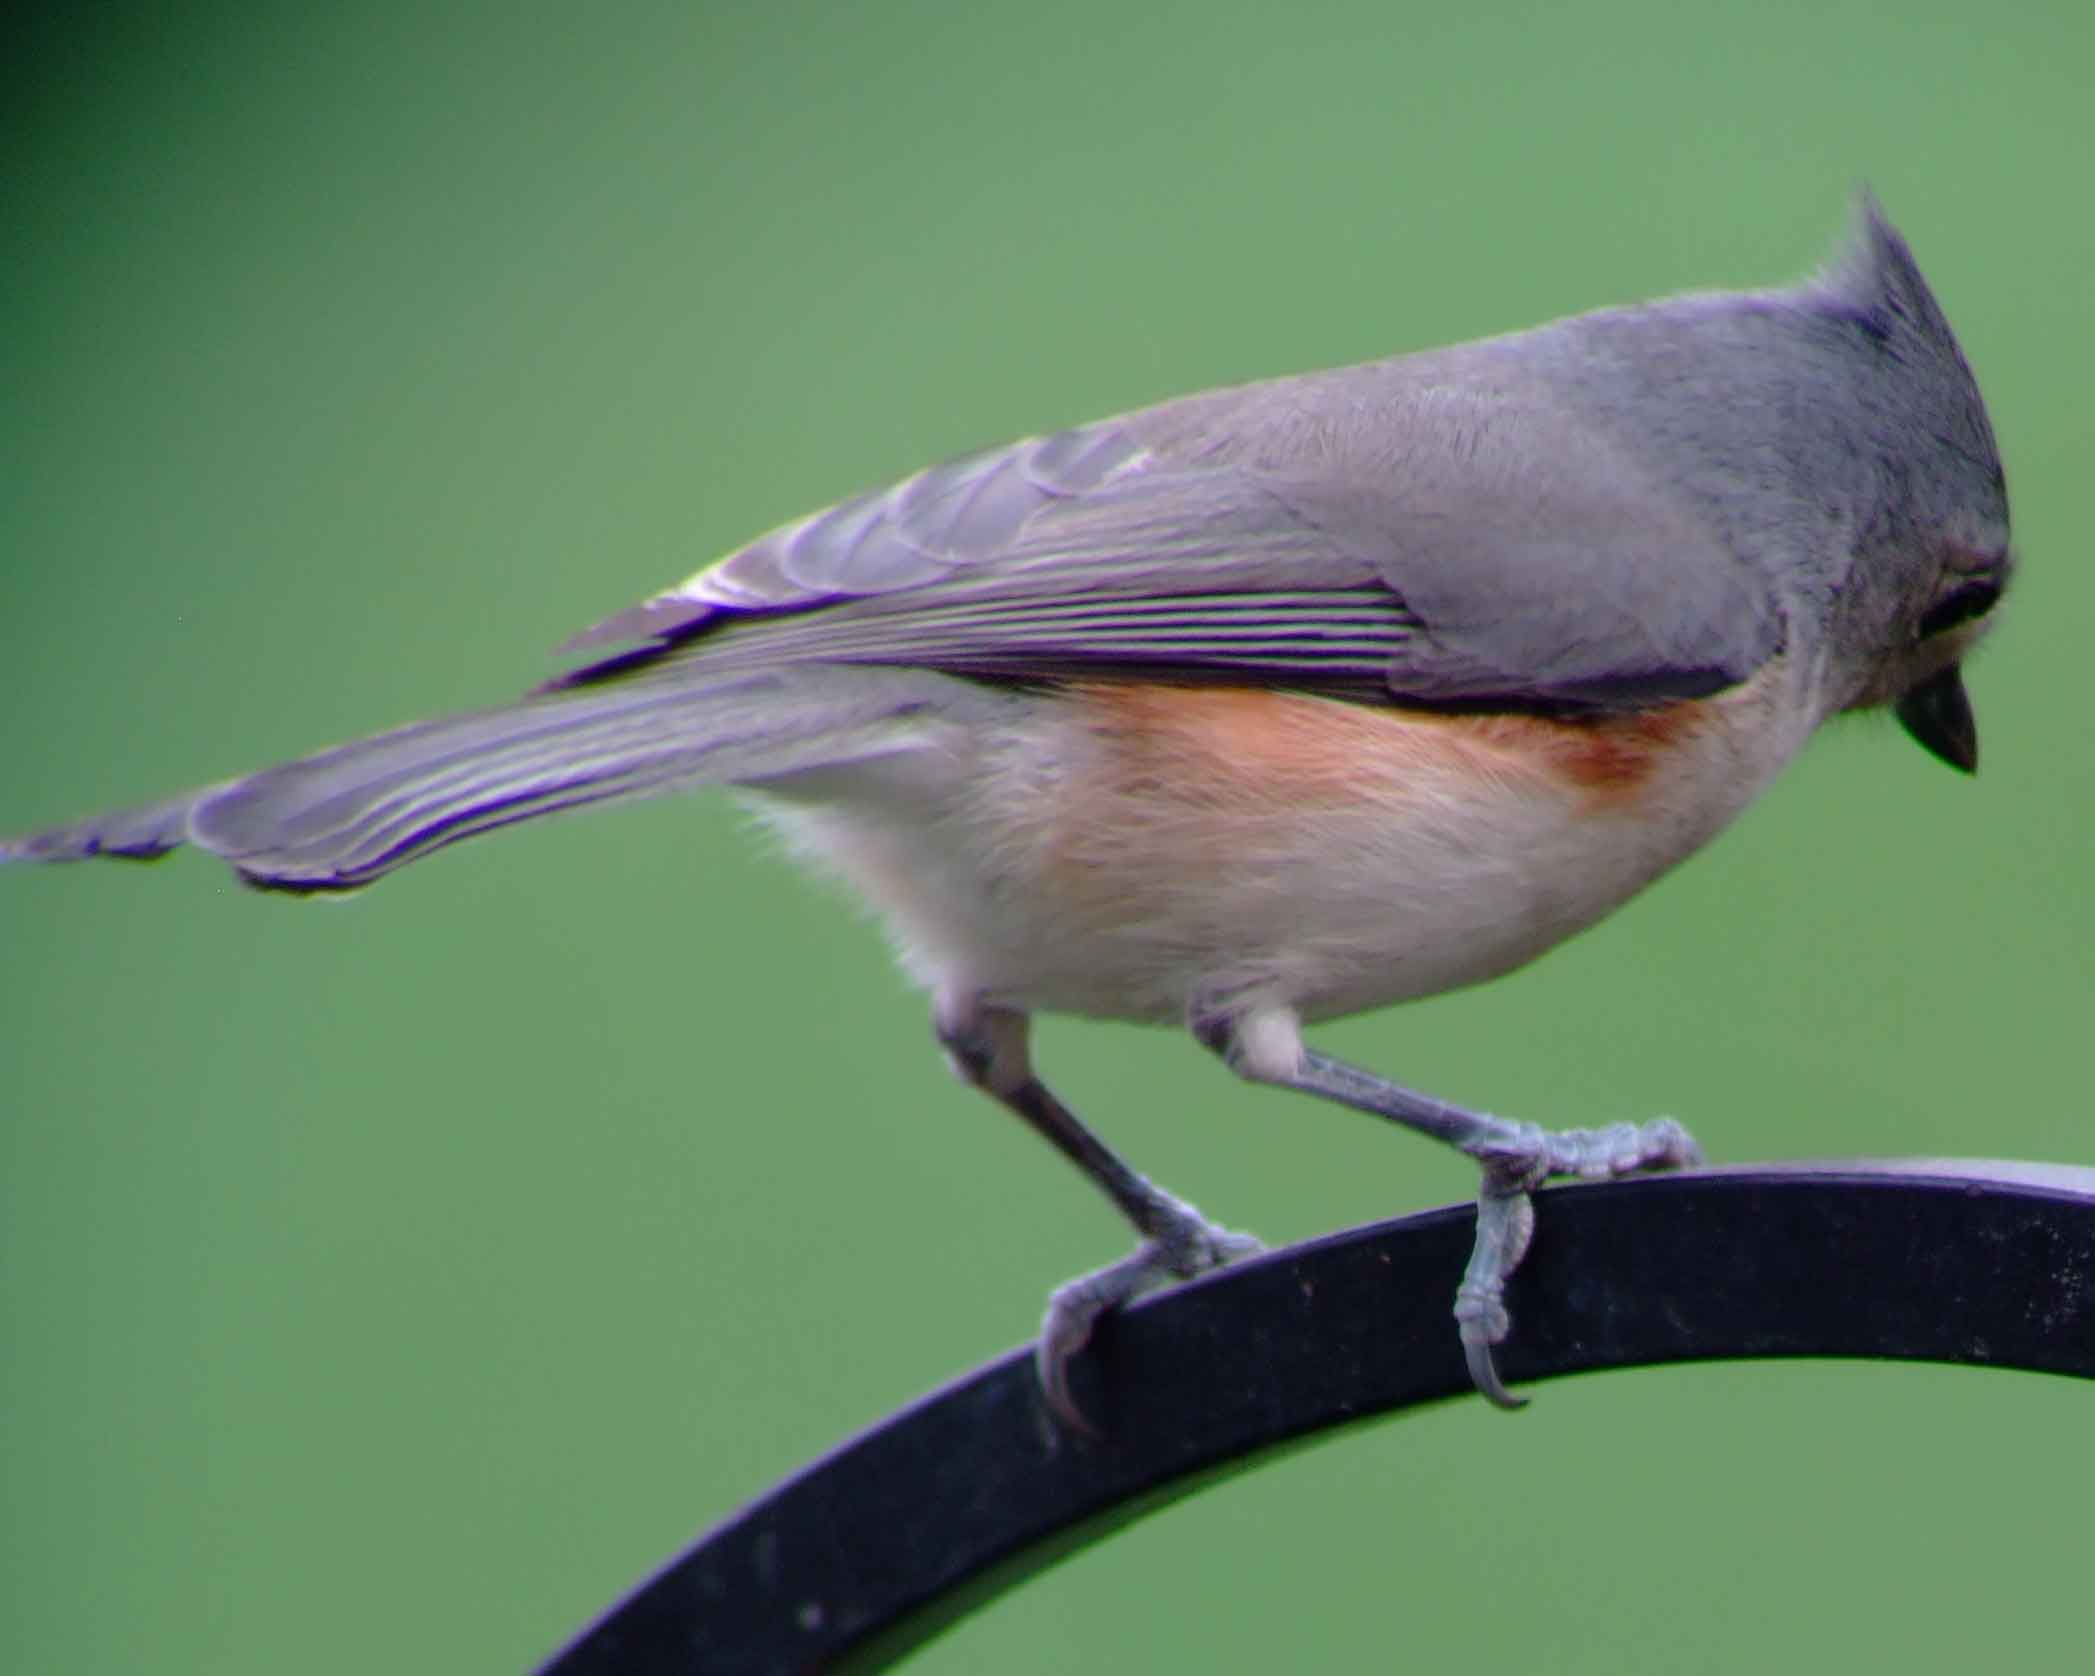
[[1938, 715]]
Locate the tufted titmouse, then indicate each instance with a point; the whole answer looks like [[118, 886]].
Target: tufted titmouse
[[1274, 703]]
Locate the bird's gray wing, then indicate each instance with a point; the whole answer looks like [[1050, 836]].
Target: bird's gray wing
[[1457, 574], [958, 516]]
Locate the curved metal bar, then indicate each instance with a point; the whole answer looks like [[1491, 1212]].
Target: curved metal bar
[[867, 1552]]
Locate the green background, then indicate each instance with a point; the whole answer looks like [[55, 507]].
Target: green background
[[388, 1285]]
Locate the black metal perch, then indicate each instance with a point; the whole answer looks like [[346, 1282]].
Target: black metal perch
[[867, 1552]]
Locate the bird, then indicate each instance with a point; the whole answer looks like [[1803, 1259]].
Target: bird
[[1271, 704]]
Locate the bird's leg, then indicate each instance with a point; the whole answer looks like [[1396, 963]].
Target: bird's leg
[[987, 1047], [1265, 1045]]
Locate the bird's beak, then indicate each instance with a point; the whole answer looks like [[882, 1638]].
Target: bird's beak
[[1938, 715]]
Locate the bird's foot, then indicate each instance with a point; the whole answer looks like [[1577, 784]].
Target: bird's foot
[[1515, 1162], [1178, 1243]]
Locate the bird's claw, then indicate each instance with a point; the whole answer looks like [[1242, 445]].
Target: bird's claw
[[1180, 1244], [1514, 1164]]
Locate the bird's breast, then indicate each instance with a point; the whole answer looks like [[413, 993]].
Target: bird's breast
[[1120, 849]]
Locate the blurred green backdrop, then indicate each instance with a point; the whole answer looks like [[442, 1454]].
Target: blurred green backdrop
[[387, 1286]]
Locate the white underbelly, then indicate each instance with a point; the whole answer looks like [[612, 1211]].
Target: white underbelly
[[1007, 865]]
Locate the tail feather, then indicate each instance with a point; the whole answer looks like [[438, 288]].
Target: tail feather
[[141, 834], [342, 818]]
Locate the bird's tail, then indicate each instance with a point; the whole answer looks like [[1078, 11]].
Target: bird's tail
[[345, 817]]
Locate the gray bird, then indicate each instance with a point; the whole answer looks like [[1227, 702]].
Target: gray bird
[[1273, 703]]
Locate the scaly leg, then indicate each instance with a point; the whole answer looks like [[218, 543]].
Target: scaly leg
[[987, 1047], [1265, 1045]]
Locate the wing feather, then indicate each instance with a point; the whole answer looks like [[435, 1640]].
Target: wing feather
[[1446, 568]]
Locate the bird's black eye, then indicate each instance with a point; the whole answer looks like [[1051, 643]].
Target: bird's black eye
[[1961, 605]]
